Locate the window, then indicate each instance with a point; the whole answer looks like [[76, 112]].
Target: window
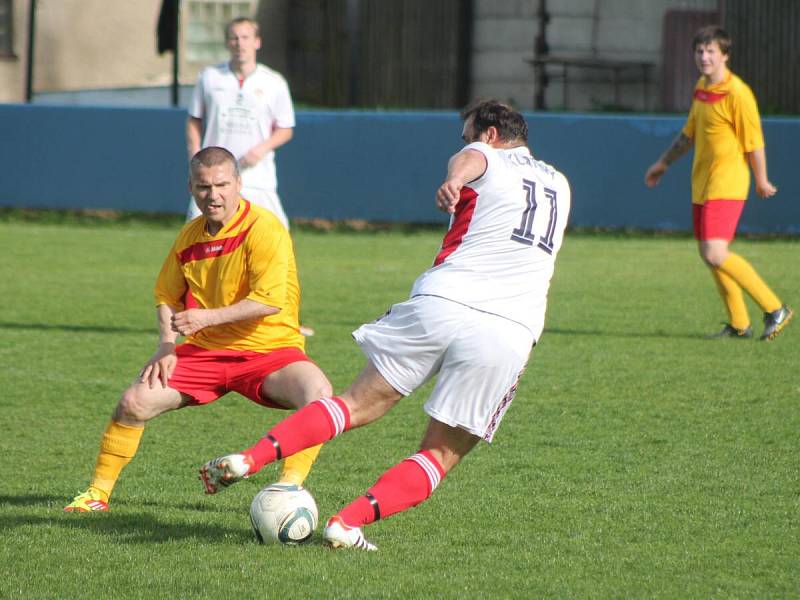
[[205, 21], [6, 29]]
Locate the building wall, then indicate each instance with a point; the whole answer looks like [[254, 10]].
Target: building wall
[[97, 44], [12, 70], [92, 45]]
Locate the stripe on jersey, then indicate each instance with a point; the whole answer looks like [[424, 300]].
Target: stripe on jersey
[[335, 414], [501, 409], [709, 97], [213, 249], [245, 212], [463, 216], [432, 470]]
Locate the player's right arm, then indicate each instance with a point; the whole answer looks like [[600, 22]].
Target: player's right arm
[[197, 110], [679, 147], [160, 366], [194, 134], [468, 165]]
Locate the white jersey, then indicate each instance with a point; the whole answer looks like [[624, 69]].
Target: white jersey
[[239, 115], [499, 252]]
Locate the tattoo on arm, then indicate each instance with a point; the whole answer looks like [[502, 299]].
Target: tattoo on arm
[[678, 148]]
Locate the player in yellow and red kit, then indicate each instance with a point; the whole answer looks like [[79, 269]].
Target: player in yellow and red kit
[[229, 285], [725, 129]]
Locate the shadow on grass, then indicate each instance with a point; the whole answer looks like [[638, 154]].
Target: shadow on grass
[[74, 328], [121, 526], [624, 334]]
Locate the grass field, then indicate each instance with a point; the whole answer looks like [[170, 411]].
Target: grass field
[[638, 459]]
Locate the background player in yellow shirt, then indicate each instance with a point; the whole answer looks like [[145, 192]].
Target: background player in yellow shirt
[[229, 285], [725, 129]]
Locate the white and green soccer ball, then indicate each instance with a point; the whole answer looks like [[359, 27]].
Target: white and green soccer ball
[[283, 513]]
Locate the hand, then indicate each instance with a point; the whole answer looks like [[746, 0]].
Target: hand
[[160, 366], [654, 173], [252, 158], [448, 195], [189, 322], [765, 189]]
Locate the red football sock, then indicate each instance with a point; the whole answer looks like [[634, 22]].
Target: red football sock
[[313, 424], [404, 485]]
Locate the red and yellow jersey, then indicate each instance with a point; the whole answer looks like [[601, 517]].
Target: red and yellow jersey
[[724, 124], [251, 257]]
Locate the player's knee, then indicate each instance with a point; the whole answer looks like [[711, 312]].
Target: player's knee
[[713, 258], [132, 406]]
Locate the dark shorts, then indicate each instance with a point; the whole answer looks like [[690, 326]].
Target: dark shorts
[[716, 219], [206, 375]]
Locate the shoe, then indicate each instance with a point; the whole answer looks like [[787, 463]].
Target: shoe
[[224, 471], [729, 331], [307, 331], [775, 321], [89, 501], [339, 535]]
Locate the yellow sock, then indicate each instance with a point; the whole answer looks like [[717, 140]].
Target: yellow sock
[[733, 298], [743, 273], [117, 448], [297, 466]]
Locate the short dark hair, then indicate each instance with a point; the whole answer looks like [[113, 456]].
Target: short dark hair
[[510, 124], [713, 33], [211, 157], [239, 21]]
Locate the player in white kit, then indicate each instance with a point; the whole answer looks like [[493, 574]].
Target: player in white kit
[[472, 319], [246, 108]]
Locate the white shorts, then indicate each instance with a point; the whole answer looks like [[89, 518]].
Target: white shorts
[[478, 357], [264, 198]]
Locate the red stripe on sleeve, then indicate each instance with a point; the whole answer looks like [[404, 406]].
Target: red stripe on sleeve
[[463, 216]]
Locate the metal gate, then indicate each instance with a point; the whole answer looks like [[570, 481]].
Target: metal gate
[[374, 53]]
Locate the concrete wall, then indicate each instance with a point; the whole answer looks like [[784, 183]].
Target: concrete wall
[[382, 166], [12, 69], [92, 45], [624, 30]]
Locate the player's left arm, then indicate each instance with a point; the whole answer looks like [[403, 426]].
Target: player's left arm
[[747, 125], [282, 132], [758, 162], [280, 136], [189, 322]]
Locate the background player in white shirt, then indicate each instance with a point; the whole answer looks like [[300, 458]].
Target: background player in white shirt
[[245, 107], [472, 319]]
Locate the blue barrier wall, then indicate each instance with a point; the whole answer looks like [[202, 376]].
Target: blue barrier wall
[[367, 165]]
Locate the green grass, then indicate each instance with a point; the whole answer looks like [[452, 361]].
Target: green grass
[[638, 459]]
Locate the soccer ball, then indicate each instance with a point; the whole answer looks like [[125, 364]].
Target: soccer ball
[[283, 513]]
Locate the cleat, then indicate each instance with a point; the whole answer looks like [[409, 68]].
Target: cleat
[[224, 471], [307, 331], [775, 321], [89, 501], [339, 535], [729, 331]]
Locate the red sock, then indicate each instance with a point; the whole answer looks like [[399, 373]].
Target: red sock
[[313, 424], [404, 485]]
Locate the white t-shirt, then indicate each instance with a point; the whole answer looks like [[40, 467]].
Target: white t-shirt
[[499, 252], [238, 116]]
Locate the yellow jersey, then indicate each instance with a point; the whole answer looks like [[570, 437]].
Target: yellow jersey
[[724, 124], [251, 257]]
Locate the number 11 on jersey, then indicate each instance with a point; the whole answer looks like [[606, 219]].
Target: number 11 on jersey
[[524, 234]]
